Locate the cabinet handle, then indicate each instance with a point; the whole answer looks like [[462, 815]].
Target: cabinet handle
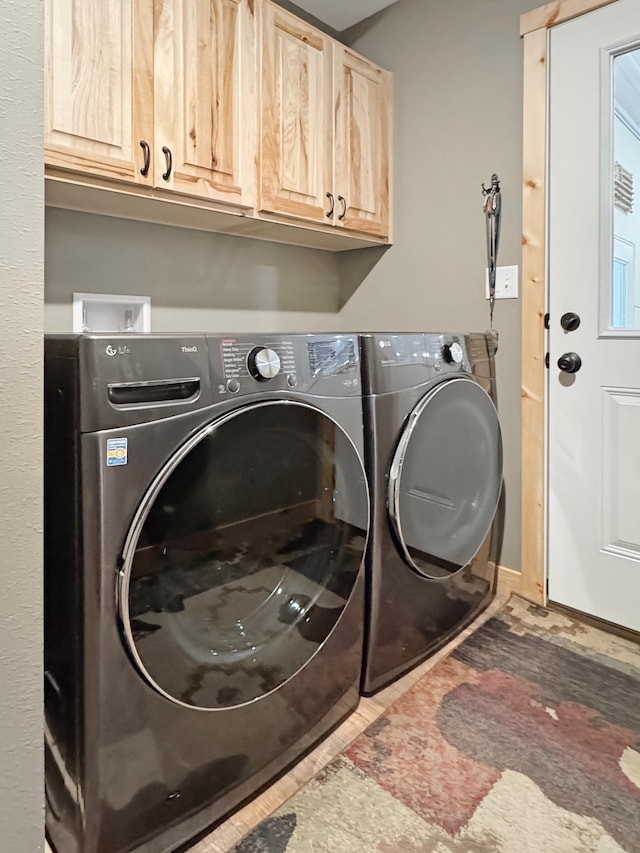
[[147, 158], [344, 207], [333, 204], [167, 153]]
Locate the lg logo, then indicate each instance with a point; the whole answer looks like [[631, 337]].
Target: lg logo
[[111, 350], [384, 344]]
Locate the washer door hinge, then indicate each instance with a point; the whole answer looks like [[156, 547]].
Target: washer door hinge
[[546, 320], [546, 361]]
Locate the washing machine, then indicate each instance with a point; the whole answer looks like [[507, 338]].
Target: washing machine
[[434, 458], [206, 517]]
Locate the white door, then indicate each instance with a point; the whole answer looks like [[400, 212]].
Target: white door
[[594, 245]]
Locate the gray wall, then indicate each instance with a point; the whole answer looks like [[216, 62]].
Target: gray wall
[[196, 280], [21, 297], [458, 118]]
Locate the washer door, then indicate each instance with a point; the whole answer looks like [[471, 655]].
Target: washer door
[[446, 477], [243, 555]]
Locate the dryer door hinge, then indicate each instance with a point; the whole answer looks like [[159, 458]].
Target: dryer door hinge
[[546, 320], [546, 361]]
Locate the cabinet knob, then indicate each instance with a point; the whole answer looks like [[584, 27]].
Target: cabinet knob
[[342, 199], [333, 204]]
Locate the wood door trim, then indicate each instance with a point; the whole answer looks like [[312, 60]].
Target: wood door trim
[[508, 581], [535, 26], [534, 218], [552, 14]]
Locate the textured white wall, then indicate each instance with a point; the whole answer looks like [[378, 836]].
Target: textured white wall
[[21, 309]]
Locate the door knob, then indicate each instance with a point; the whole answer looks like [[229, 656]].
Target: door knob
[[570, 362], [570, 321]]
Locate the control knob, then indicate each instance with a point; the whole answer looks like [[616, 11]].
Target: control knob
[[263, 363], [453, 353]]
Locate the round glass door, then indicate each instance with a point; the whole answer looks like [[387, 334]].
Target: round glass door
[[243, 555], [446, 478]]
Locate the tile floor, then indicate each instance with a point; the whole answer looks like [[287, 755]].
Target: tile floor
[[243, 821]]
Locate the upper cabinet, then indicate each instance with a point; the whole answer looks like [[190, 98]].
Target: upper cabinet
[[362, 143], [205, 98], [296, 154], [326, 139], [99, 89], [221, 107], [161, 94]]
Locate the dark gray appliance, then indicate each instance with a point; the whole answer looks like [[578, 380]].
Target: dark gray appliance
[[206, 521], [433, 453]]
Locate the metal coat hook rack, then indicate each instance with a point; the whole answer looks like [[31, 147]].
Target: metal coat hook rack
[[492, 210]]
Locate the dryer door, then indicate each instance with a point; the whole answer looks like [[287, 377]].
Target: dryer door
[[446, 477], [243, 555]]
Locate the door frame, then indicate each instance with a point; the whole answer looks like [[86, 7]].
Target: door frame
[[534, 29]]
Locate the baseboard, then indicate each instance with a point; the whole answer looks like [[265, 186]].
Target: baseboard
[[508, 581]]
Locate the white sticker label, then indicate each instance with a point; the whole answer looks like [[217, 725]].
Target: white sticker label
[[117, 451]]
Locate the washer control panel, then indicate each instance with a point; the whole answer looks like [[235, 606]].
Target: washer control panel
[[243, 364], [261, 361]]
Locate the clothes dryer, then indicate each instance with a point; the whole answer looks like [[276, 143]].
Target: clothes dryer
[[434, 460], [206, 515]]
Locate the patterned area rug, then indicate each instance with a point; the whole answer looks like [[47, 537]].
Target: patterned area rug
[[526, 739]]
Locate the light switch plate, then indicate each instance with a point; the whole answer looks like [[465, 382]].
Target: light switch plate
[[506, 283]]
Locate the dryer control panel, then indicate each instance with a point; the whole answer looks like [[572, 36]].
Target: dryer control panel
[[396, 361], [426, 350], [328, 365]]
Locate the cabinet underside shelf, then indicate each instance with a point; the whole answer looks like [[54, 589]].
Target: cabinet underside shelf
[[152, 205]]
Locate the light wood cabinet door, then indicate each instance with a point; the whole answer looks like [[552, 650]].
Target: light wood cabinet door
[[205, 85], [363, 98], [99, 90], [296, 153]]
